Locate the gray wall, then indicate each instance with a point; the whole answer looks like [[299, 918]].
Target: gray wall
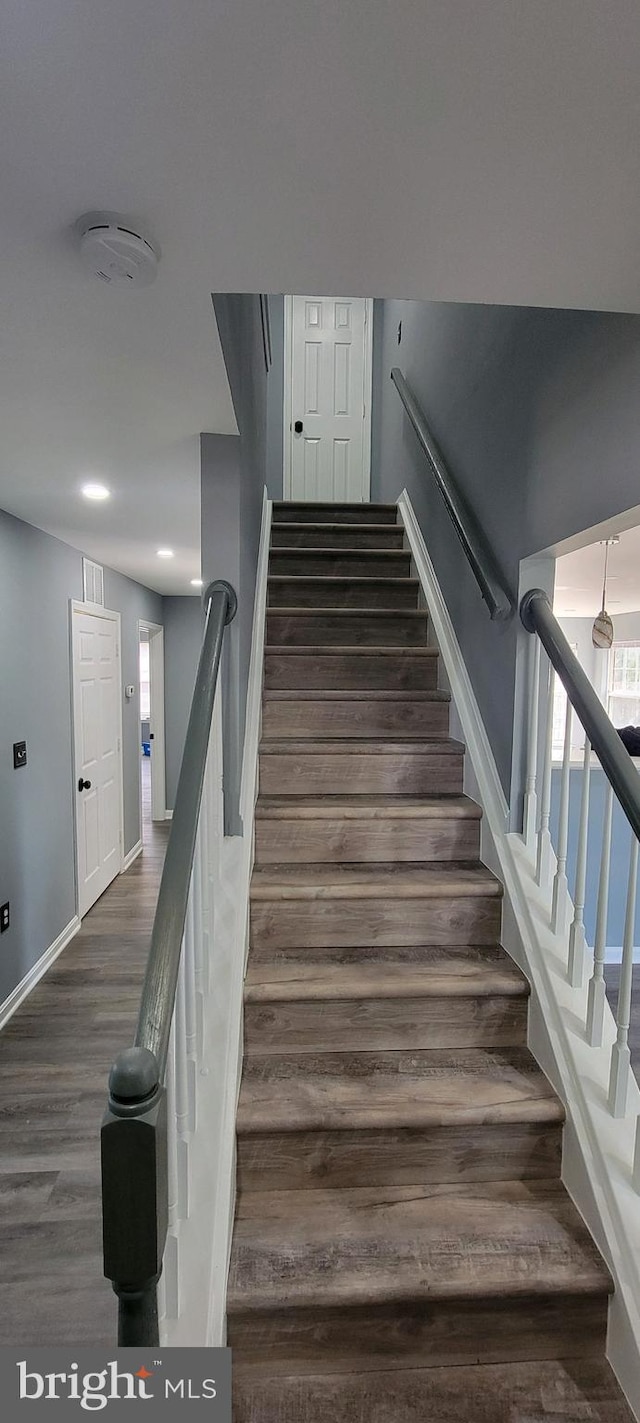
[[234, 471], [38, 576], [183, 623], [537, 414]]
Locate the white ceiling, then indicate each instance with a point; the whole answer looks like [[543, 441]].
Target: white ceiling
[[436, 149], [578, 589]]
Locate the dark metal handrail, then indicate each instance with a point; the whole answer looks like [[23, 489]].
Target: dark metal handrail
[[537, 616], [134, 1129], [490, 580]]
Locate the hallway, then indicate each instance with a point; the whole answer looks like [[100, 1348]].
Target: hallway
[[55, 1055]]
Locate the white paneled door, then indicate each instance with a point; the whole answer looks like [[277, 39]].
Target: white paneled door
[[98, 757], [328, 409]]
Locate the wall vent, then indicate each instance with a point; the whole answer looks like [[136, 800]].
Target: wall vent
[[93, 582]]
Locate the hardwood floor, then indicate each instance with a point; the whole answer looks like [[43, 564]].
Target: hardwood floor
[[55, 1055]]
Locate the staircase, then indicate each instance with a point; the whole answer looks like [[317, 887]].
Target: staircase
[[403, 1246]]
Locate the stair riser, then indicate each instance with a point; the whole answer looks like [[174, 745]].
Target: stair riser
[[371, 673], [340, 565], [399, 629], [358, 842], [315, 537], [353, 923], [320, 513], [385, 1024], [322, 720], [326, 774], [342, 593], [314, 1160], [421, 1335]]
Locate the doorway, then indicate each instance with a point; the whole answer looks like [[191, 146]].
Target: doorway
[[151, 740], [327, 414], [97, 734]]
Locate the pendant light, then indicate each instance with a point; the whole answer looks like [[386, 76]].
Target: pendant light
[[602, 630]]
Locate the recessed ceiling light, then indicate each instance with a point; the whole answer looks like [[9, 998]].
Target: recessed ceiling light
[[196, 582], [96, 491], [165, 553]]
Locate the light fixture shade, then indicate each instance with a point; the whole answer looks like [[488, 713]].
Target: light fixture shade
[[602, 630]]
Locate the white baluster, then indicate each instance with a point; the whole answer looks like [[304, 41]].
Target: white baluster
[[191, 1034], [620, 1054], [182, 1094], [170, 1262], [545, 848], [597, 989], [560, 903], [577, 940], [530, 792], [202, 940]]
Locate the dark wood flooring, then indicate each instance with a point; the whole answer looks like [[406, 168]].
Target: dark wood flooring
[[55, 1055]]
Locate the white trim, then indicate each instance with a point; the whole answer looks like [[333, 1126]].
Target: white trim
[[157, 718], [168, 815], [130, 856], [366, 397], [37, 971], [598, 1149], [237, 866], [253, 718], [75, 606]]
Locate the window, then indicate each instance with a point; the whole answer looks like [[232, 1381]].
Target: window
[[560, 714], [624, 684], [145, 696]]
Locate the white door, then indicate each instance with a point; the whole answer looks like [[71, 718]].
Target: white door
[[328, 411], [98, 757]]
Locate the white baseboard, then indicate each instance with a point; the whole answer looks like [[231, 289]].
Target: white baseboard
[[598, 1150], [168, 815], [23, 989], [131, 855]]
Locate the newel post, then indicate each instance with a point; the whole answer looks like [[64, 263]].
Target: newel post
[[134, 1192]]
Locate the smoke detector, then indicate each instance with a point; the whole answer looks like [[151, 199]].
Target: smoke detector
[[116, 251]]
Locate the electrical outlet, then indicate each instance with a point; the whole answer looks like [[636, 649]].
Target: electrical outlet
[[5, 918]]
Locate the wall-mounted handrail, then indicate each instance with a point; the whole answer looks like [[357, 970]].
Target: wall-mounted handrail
[[537, 616], [488, 576], [134, 1130]]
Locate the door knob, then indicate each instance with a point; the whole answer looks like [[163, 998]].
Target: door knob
[[298, 427], [84, 785]]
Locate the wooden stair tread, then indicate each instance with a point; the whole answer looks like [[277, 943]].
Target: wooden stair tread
[[374, 881], [313, 979], [329, 612], [361, 746], [365, 527], [367, 807], [540, 1391], [334, 649], [362, 1246], [366, 1091], [394, 580], [333, 694]]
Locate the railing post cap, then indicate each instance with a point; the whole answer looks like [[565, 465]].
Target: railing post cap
[[134, 1075], [220, 585], [526, 605]]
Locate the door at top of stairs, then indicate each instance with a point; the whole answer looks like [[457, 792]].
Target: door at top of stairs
[[327, 397]]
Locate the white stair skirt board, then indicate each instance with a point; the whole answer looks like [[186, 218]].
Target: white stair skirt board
[[598, 1149], [37, 971], [130, 856], [201, 1257]]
